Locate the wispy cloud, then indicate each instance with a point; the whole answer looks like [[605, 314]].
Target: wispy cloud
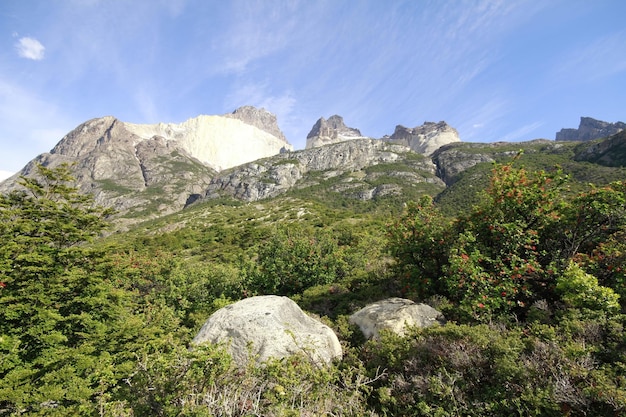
[[599, 59], [522, 132], [30, 48], [257, 30], [23, 135]]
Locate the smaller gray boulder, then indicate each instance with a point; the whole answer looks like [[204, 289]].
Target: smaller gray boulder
[[395, 314], [269, 327]]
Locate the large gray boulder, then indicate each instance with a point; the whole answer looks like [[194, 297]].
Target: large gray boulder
[[395, 314], [269, 327]]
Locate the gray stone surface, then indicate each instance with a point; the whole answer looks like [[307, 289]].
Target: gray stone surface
[[273, 176], [590, 129], [424, 139], [269, 327], [395, 314], [333, 130]]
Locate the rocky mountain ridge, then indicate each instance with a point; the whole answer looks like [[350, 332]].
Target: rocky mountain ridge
[[590, 129], [347, 161], [146, 171], [424, 139], [333, 130]]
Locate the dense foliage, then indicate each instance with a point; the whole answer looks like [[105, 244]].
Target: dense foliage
[[532, 280]]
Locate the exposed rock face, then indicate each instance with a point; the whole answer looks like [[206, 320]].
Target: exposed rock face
[[333, 130], [262, 119], [424, 139], [274, 176], [147, 170], [610, 152], [221, 142], [590, 129], [451, 160], [269, 327], [395, 314]]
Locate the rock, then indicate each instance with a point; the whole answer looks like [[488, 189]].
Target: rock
[[333, 130], [451, 160], [222, 142], [274, 176], [424, 139], [610, 152], [144, 171], [590, 129], [260, 118], [395, 314], [269, 327]]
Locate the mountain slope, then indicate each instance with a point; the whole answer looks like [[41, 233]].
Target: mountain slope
[[360, 168], [144, 171]]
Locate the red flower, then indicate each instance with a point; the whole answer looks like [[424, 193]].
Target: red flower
[[2, 285], [481, 305]]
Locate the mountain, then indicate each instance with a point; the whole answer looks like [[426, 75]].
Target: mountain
[[361, 169], [146, 170], [424, 139], [590, 129], [333, 130]]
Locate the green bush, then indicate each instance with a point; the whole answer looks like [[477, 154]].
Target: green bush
[[505, 255]]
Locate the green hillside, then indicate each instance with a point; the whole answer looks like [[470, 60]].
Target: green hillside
[[525, 256]]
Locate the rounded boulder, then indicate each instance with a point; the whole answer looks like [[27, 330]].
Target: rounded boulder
[[266, 327]]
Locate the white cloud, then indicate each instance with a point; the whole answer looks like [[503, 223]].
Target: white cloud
[[30, 48]]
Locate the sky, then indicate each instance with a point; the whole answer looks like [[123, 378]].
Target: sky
[[495, 70]]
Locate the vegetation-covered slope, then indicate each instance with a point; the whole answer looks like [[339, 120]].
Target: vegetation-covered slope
[[530, 275]]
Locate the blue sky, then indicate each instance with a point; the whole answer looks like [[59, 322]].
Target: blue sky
[[509, 70]]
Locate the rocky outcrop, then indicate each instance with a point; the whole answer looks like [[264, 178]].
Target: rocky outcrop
[[274, 176], [222, 142], [610, 152], [144, 171], [451, 160], [590, 129], [424, 139], [396, 315], [267, 327], [333, 130], [260, 118]]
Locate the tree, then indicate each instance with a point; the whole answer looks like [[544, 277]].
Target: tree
[[508, 251], [58, 309]]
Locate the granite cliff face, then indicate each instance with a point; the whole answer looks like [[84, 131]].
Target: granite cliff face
[[590, 129], [424, 139], [610, 152], [333, 130], [150, 170], [350, 165], [222, 141], [262, 119]]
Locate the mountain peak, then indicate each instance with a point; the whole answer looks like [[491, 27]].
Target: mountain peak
[[329, 131], [590, 129], [424, 139], [260, 118]]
